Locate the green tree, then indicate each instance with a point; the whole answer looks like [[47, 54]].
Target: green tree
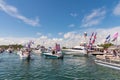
[[105, 46]]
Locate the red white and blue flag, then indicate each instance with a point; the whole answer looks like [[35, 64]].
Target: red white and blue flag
[[94, 38]]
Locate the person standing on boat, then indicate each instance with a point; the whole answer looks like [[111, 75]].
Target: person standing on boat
[[105, 51], [27, 52], [114, 53]]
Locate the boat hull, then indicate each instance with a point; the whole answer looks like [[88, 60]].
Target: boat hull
[[75, 52], [53, 56], [108, 64]]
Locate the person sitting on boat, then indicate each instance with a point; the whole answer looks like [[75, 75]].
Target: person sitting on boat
[[53, 51]]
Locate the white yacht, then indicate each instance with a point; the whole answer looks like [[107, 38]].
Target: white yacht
[[77, 50]]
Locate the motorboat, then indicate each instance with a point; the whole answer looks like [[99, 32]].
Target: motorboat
[[53, 55]]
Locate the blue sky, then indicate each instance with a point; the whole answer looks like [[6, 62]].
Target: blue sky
[[57, 18]]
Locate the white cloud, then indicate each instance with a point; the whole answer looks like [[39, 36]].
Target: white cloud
[[70, 39], [73, 14], [116, 10], [13, 11], [72, 25], [94, 18], [43, 37], [60, 33], [69, 35], [38, 33]]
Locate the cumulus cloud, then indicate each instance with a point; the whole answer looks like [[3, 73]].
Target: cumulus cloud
[[69, 35], [13, 11], [116, 10], [69, 39], [43, 37], [94, 18]]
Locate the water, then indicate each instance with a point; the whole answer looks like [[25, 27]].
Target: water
[[39, 68]]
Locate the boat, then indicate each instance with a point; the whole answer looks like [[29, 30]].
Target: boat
[[24, 54], [55, 53], [77, 50], [58, 55], [108, 61], [108, 64], [10, 49], [39, 50]]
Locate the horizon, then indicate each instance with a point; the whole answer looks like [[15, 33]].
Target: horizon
[[47, 22]]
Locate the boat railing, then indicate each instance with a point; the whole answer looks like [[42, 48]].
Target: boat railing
[[109, 59]]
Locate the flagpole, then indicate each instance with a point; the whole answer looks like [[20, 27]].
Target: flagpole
[[116, 42]]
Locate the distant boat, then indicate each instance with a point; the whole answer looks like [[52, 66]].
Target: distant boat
[[77, 50], [10, 49]]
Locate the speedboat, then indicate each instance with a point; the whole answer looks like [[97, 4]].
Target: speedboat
[[53, 55]]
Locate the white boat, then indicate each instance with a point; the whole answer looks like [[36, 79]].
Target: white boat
[[77, 50], [53, 55], [10, 50], [108, 64], [39, 50], [24, 54]]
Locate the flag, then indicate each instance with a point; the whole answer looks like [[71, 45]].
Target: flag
[[94, 38], [92, 34], [93, 41], [114, 39], [115, 36], [95, 35], [107, 39], [108, 36], [91, 37]]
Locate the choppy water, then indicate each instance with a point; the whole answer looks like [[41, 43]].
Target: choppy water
[[39, 68]]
